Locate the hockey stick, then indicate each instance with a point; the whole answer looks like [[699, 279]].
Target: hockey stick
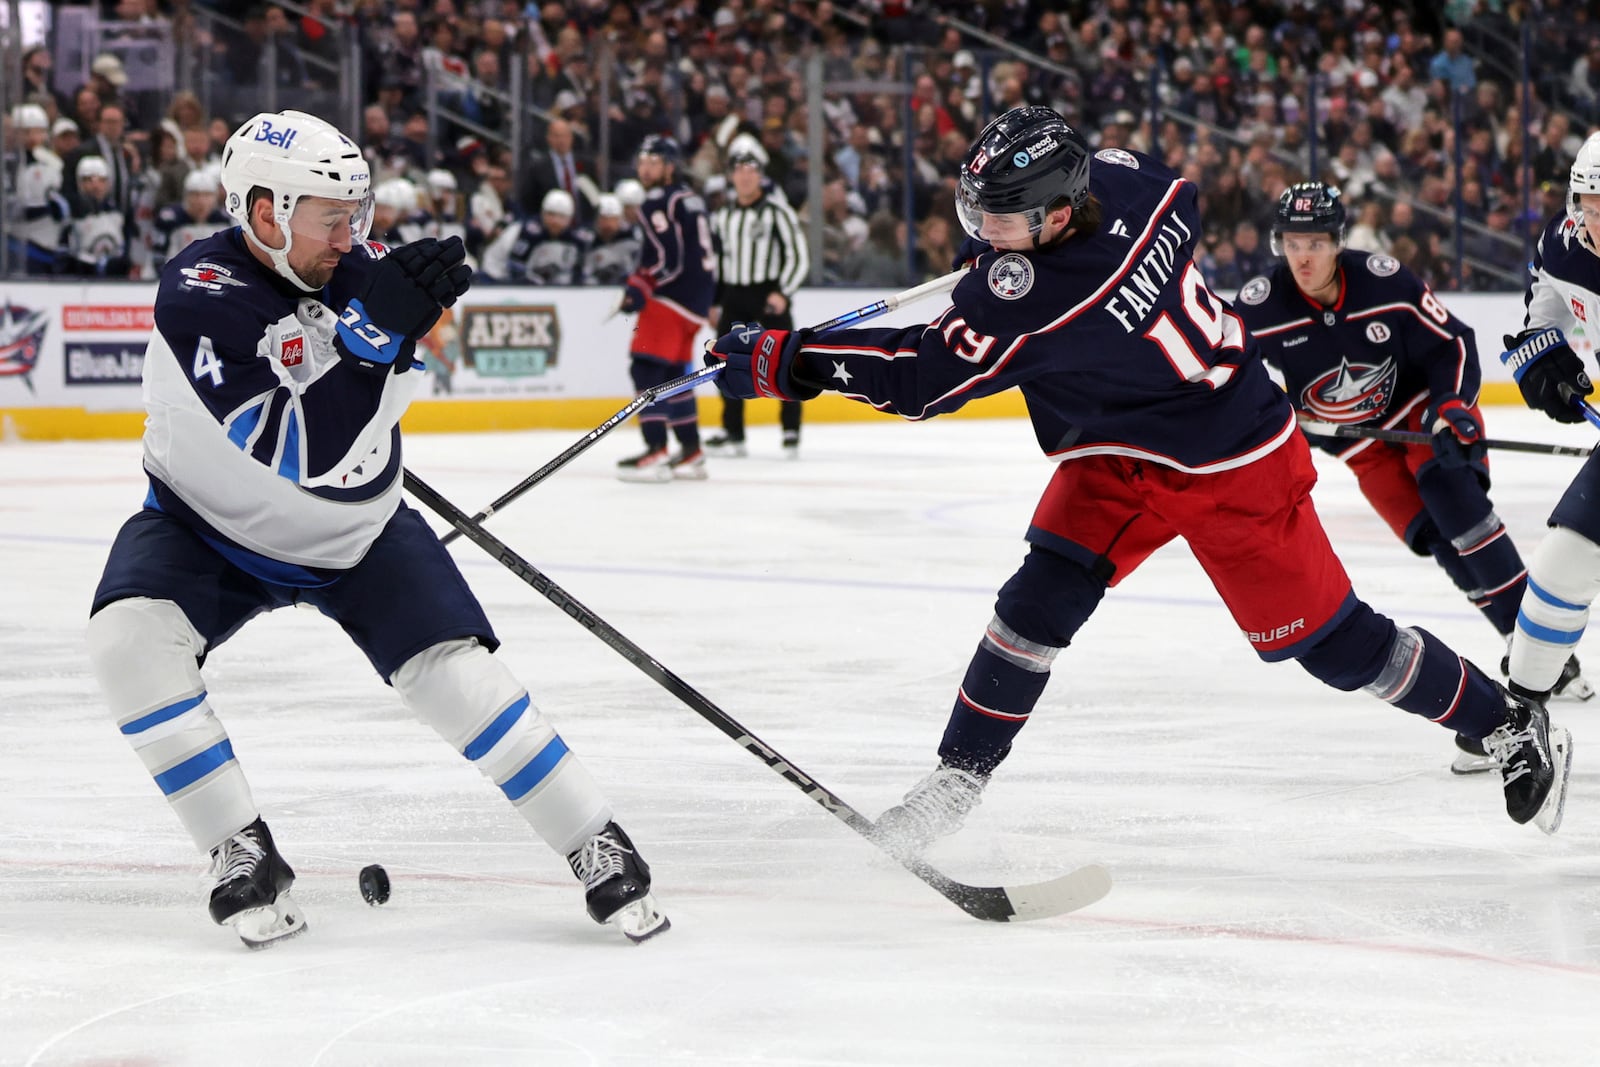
[[1411, 437], [689, 381], [1018, 903]]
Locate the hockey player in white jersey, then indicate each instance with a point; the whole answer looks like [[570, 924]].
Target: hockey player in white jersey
[[615, 252], [1563, 293], [280, 364], [97, 239], [38, 210]]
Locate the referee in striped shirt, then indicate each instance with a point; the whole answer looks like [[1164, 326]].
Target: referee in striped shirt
[[761, 253]]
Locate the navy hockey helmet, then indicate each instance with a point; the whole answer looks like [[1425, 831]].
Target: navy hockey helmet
[[663, 147], [1023, 162], [1308, 207]]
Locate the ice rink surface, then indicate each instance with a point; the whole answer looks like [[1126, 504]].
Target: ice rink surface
[[1299, 880]]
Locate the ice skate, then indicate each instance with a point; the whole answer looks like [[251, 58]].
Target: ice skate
[[1535, 759], [935, 807], [724, 447], [616, 885], [1471, 757], [1572, 685], [649, 466], [791, 446], [252, 889], [691, 467]]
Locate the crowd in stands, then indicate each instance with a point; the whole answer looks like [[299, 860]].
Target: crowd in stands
[[1416, 130]]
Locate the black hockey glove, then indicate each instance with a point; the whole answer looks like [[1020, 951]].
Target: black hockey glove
[[1457, 432], [760, 363], [1548, 371], [405, 295]]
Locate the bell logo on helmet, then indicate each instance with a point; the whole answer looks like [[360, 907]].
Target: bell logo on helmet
[[278, 138]]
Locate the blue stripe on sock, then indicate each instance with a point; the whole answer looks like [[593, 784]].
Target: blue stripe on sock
[[195, 767], [1547, 634], [491, 735], [1551, 599], [535, 770], [161, 715]]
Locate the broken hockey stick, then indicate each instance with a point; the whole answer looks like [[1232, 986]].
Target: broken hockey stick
[[689, 381], [1040, 900], [1412, 437]]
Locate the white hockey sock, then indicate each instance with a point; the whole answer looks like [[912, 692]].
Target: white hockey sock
[[480, 708], [144, 652], [1563, 581]]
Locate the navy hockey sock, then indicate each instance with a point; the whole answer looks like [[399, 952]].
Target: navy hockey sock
[[1471, 544], [1409, 668], [1002, 684]]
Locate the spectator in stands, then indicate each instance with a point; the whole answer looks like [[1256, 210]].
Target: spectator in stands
[[1452, 65], [1367, 235], [1405, 99], [36, 82], [555, 166], [399, 62], [1251, 257], [1553, 160]]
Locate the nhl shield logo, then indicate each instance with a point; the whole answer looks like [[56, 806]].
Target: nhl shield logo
[[1011, 276]]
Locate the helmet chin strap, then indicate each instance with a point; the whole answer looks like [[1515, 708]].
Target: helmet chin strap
[[280, 256]]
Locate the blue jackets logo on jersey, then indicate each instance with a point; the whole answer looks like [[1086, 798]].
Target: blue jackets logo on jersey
[[1350, 392], [1011, 276]]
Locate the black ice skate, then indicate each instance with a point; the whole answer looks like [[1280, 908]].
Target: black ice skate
[[649, 466], [1471, 757], [252, 890], [1571, 685], [616, 884], [935, 807], [1535, 759], [724, 447]]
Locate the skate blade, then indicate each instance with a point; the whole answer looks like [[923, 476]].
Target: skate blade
[[1548, 817], [261, 928], [640, 920], [1467, 763], [657, 474]]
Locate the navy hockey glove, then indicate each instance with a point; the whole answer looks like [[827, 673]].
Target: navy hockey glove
[[404, 296], [760, 363], [1548, 372], [637, 290], [1457, 433]]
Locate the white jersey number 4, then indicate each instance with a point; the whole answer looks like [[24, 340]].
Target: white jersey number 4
[[206, 363]]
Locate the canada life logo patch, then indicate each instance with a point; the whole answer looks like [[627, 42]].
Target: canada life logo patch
[[1350, 392], [1577, 310], [1011, 276]]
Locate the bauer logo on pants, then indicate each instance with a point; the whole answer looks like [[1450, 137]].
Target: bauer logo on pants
[[510, 341]]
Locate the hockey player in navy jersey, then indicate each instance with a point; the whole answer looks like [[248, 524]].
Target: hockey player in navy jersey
[[549, 250], [281, 362], [1357, 339], [672, 291], [1152, 398], [177, 226], [1563, 294]]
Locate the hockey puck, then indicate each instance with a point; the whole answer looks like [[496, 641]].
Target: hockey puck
[[374, 885]]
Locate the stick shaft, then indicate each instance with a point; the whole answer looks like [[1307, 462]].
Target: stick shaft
[[1410, 437], [689, 381]]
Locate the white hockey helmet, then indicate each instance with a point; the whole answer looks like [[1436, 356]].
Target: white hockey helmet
[[630, 191], [200, 180], [558, 202], [441, 180], [292, 155], [92, 167], [608, 207], [1585, 178], [29, 117], [397, 193]]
